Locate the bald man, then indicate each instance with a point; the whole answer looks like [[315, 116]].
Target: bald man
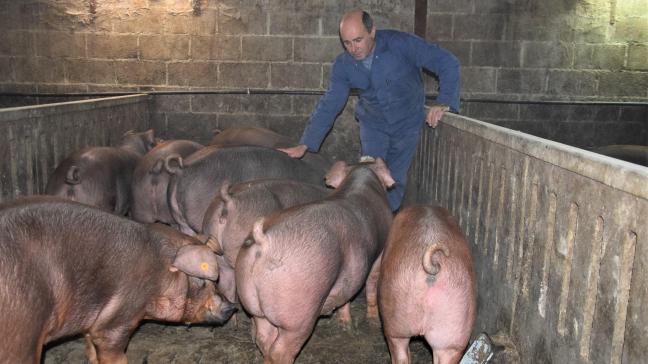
[[385, 66]]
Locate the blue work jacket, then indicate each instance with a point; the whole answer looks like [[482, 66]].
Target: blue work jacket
[[392, 96]]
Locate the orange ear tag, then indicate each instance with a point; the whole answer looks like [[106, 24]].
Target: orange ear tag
[[204, 266]]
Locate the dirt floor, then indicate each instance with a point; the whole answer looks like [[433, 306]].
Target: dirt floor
[[159, 343]]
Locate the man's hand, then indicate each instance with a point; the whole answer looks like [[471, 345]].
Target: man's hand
[[434, 115], [296, 151]]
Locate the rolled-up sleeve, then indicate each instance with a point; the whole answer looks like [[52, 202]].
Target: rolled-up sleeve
[[327, 109]]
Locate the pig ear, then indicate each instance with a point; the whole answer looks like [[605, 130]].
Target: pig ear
[[211, 242], [197, 261], [157, 167], [150, 141], [173, 163], [381, 170], [336, 174]]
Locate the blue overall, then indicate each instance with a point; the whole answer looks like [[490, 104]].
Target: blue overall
[[391, 104]]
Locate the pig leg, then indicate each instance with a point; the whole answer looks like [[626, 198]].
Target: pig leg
[[266, 334], [371, 290], [226, 284], [111, 349], [288, 343], [399, 350], [91, 351], [110, 341], [343, 316], [447, 356]]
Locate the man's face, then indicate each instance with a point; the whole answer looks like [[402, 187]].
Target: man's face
[[356, 40]]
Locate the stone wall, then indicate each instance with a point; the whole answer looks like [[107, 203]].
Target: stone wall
[[590, 53], [595, 50], [143, 45], [515, 56]]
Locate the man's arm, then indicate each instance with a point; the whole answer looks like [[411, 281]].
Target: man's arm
[[327, 109], [322, 119], [440, 61]]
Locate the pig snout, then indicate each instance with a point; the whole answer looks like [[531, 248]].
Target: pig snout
[[219, 310]]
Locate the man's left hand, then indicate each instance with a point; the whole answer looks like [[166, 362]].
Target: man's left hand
[[434, 115]]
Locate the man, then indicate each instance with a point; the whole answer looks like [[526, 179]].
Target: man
[[385, 66]]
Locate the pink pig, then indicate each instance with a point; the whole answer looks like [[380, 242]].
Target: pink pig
[[427, 285], [311, 259]]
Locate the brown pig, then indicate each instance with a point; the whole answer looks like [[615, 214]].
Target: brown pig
[[263, 137], [427, 285], [68, 268], [101, 176], [230, 217], [310, 259], [197, 179]]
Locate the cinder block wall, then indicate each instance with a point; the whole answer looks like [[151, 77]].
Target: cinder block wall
[[511, 51], [566, 51]]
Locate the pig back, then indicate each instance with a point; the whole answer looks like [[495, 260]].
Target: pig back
[[198, 182], [414, 230], [265, 138], [262, 137], [229, 218], [97, 176], [353, 237]]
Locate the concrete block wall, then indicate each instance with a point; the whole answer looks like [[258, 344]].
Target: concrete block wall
[[92, 46], [511, 51], [546, 50], [565, 51]]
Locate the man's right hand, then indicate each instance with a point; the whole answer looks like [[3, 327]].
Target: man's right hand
[[296, 151]]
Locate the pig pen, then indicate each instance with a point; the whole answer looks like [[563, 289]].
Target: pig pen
[[558, 236]]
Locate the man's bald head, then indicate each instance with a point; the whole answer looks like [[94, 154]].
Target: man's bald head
[[357, 16], [357, 33]]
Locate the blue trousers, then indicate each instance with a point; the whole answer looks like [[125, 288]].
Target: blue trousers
[[396, 149]]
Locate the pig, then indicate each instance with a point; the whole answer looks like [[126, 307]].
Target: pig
[[427, 285], [197, 180], [230, 216], [637, 154], [151, 180], [101, 176], [306, 261], [262, 137], [265, 138], [68, 268]]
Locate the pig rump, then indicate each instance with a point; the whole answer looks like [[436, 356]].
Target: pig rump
[[427, 260]]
